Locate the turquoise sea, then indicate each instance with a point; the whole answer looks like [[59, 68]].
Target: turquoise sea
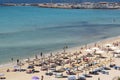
[[26, 31]]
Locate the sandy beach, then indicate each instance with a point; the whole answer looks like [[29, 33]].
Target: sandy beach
[[75, 59]]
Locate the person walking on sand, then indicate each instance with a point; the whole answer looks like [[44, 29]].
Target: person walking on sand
[[42, 77], [98, 78], [17, 61]]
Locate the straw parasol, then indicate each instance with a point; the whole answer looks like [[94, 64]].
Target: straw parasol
[[27, 60], [113, 48], [108, 45], [99, 52], [89, 55], [88, 50], [117, 51], [95, 48]]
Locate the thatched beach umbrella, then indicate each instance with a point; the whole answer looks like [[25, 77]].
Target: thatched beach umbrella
[[100, 53], [36, 60], [30, 62], [117, 51], [88, 50], [89, 55], [95, 48], [108, 45], [113, 48]]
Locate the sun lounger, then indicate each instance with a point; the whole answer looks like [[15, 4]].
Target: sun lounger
[[52, 69], [70, 73], [44, 68], [82, 78], [104, 72], [30, 67], [2, 78], [58, 75], [106, 68], [71, 77], [116, 67], [87, 75], [49, 73], [94, 72]]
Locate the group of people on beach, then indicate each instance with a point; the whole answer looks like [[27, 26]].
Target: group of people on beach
[[87, 57]]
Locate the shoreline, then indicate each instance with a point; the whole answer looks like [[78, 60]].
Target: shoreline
[[69, 50]]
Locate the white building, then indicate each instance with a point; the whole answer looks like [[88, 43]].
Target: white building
[[87, 5]]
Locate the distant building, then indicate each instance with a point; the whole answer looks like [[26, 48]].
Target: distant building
[[87, 5], [106, 5], [84, 5], [100, 5]]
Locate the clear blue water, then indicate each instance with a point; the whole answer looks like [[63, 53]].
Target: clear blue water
[[26, 31]]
